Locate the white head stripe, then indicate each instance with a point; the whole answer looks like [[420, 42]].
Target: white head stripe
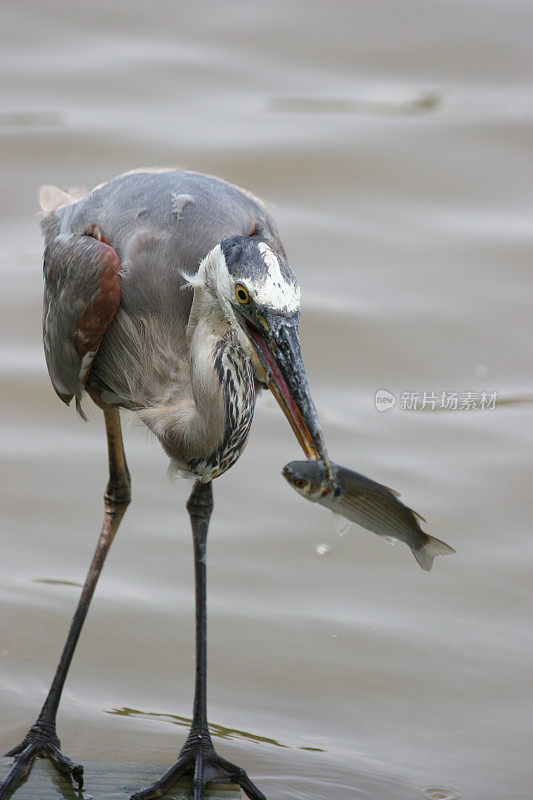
[[277, 292]]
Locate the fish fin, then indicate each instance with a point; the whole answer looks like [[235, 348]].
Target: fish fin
[[418, 516], [433, 547], [392, 491], [341, 524]]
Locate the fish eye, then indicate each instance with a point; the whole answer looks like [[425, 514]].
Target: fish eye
[[242, 294], [299, 483]]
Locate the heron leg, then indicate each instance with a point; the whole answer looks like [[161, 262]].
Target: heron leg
[[41, 740], [198, 754]]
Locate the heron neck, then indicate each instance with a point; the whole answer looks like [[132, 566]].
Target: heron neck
[[222, 384]]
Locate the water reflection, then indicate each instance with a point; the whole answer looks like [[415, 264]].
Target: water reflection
[[30, 119], [219, 731], [55, 582], [417, 104], [438, 793]]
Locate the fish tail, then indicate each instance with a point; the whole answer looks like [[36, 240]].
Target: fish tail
[[433, 547]]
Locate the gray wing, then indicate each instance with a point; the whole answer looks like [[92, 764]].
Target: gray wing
[[161, 225], [81, 297]]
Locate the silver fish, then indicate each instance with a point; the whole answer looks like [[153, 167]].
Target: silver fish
[[369, 504]]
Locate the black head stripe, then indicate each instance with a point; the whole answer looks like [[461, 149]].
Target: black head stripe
[[245, 260]]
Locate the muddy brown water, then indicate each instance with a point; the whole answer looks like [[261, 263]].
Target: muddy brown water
[[393, 142]]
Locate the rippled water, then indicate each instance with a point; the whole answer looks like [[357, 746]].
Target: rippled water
[[393, 142]]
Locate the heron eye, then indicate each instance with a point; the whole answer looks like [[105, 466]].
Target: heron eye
[[242, 294]]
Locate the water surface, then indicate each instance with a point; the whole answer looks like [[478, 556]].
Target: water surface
[[393, 143]]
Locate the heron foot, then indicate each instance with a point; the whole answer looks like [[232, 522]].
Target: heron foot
[[40, 741], [199, 757]]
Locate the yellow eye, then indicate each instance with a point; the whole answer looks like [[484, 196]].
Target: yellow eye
[[241, 293]]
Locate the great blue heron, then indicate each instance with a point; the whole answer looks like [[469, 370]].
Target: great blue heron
[[167, 293]]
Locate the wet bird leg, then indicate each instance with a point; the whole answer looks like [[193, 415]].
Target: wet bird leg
[[198, 754], [41, 740]]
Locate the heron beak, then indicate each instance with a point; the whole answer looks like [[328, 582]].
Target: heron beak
[[279, 354]]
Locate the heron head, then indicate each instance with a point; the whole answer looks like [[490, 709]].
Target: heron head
[[260, 299]]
